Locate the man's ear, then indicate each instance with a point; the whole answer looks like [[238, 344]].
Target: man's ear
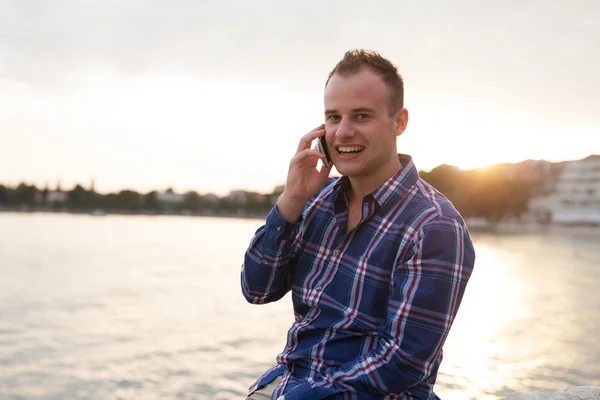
[[401, 120]]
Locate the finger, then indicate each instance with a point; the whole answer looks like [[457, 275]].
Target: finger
[[307, 139], [308, 153]]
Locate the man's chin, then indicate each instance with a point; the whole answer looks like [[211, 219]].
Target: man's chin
[[348, 170]]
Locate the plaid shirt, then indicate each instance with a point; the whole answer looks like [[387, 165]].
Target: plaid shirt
[[373, 306]]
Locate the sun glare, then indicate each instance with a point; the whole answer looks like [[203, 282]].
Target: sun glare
[[158, 130], [470, 141]]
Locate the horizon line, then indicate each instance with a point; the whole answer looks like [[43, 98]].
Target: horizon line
[[275, 187]]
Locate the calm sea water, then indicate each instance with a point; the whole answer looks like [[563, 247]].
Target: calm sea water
[[150, 308]]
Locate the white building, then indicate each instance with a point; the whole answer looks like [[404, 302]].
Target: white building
[[169, 197], [576, 196], [243, 197], [56, 197]]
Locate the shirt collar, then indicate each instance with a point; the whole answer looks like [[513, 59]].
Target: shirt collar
[[391, 190]]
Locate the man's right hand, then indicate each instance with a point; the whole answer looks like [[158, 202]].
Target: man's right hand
[[303, 180]]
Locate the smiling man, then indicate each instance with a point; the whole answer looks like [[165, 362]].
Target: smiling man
[[377, 261]]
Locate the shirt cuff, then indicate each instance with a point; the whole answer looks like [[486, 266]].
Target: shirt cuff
[[278, 228]]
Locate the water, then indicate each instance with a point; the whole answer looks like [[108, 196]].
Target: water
[[125, 307]]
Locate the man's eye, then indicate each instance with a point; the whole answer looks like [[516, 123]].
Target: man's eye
[[361, 116], [332, 117]]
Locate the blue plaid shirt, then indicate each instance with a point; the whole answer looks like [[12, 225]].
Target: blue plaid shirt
[[373, 306]]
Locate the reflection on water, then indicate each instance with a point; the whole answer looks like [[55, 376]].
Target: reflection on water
[[150, 307], [529, 318]]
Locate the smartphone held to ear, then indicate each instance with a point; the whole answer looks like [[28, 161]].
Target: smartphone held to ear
[[322, 146]]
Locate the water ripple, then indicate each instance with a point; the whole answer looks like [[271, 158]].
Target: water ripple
[[151, 308]]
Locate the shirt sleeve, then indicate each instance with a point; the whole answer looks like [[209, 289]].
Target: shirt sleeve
[[267, 262], [428, 287]]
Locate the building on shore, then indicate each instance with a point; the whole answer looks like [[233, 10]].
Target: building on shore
[[170, 198], [575, 198], [56, 197]]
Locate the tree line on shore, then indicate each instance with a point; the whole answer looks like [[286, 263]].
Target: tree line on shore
[[492, 193], [26, 197]]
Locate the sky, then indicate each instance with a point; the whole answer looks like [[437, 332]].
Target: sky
[[213, 96]]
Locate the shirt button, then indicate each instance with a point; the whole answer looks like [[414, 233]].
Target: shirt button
[[318, 287], [289, 348], [278, 229], [336, 253], [309, 319]]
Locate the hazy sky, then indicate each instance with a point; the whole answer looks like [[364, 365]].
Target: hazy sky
[[214, 95]]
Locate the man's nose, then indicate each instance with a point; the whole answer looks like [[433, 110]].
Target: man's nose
[[345, 129]]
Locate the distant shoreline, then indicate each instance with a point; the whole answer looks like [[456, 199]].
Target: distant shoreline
[[498, 229], [527, 228], [103, 213]]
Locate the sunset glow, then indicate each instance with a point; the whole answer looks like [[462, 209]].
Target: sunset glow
[[221, 108]]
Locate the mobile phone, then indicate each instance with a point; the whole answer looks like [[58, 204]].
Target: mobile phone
[[322, 146]]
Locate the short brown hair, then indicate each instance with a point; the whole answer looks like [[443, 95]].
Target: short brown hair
[[355, 60]]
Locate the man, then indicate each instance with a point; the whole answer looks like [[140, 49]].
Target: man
[[377, 261]]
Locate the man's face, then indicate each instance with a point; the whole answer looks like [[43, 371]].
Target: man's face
[[360, 132]]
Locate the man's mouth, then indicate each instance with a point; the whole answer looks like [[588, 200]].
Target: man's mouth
[[347, 150]]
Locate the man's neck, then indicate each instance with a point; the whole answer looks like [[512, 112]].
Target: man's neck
[[362, 186]]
